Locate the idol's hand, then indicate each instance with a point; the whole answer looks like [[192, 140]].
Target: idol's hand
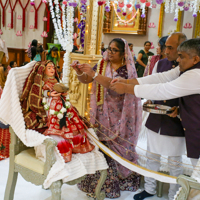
[[75, 65], [118, 87], [174, 113], [87, 69], [65, 94], [54, 94], [119, 79]]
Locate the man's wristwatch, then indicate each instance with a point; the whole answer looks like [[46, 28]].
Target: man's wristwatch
[[95, 75]]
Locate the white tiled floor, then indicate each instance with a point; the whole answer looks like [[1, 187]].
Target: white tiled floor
[[27, 191]]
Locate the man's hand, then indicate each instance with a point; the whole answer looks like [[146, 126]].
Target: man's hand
[[174, 113], [148, 102], [118, 87], [119, 79]]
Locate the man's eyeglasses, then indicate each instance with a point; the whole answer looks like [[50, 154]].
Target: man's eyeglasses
[[113, 51]]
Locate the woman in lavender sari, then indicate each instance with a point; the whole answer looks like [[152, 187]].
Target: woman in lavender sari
[[118, 117]]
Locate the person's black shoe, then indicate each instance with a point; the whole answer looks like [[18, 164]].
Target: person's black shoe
[[142, 195]]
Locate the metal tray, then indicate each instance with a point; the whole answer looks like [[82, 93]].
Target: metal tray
[[157, 109]]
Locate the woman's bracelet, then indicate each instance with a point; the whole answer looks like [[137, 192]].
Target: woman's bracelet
[[80, 74]]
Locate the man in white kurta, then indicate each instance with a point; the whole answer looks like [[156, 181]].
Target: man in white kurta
[[183, 82]]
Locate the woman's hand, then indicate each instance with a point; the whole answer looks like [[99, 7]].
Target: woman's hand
[[54, 94], [87, 69], [75, 65]]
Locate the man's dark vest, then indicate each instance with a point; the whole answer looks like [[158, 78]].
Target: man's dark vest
[[167, 125], [190, 117]]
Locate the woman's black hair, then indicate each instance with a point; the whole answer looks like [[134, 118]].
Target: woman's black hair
[[33, 52], [12, 63], [34, 43], [54, 49], [162, 42], [24, 63], [147, 42], [120, 44], [4, 68], [129, 44]]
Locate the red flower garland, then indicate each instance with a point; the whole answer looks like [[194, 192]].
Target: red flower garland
[[24, 13], [12, 9], [3, 14], [36, 14], [48, 17]]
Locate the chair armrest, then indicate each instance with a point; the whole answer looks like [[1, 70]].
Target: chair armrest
[[50, 154], [188, 183]]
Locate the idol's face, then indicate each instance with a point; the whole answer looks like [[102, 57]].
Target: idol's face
[[50, 70], [186, 61], [171, 47]]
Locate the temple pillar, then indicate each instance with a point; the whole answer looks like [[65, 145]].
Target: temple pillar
[[80, 93]]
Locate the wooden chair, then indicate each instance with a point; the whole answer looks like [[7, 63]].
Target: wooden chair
[[187, 184], [24, 161]]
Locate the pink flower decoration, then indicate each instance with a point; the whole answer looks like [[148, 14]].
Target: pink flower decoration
[[1, 32], [128, 5], [9, 11], [76, 19], [100, 3], [154, 6], [44, 1], [29, 44], [148, 4], [19, 17], [142, 1], [121, 5], [64, 2], [44, 34], [124, 13], [75, 35], [9, 26], [188, 25], [32, 10], [19, 33], [152, 47], [44, 19], [31, 27], [151, 25]]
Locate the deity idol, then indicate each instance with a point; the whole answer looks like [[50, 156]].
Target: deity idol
[[48, 107]]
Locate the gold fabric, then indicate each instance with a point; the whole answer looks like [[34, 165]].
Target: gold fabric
[[2, 77], [31, 100]]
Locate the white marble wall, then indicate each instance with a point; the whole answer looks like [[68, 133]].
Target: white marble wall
[[28, 34]]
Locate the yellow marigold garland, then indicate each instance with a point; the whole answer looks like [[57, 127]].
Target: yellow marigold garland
[[178, 25], [197, 26], [160, 20]]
